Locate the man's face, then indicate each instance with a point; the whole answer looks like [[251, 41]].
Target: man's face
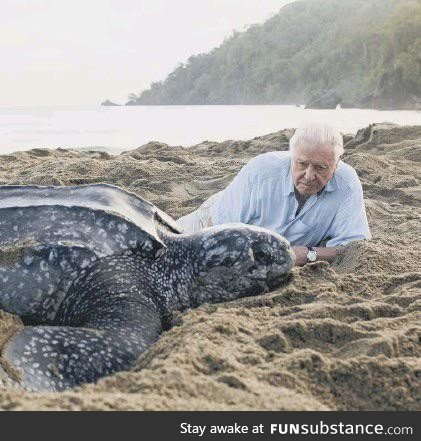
[[312, 168]]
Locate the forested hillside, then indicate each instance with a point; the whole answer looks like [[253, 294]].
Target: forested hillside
[[363, 53]]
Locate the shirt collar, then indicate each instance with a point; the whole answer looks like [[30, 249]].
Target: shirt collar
[[332, 185]]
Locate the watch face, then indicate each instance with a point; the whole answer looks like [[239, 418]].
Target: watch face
[[311, 256]]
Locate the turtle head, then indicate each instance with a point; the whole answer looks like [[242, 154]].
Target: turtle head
[[238, 260]]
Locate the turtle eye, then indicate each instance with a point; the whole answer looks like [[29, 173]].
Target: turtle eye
[[228, 261], [262, 255]]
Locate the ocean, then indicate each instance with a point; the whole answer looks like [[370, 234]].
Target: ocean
[[122, 128]]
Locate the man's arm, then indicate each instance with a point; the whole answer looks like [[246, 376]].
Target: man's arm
[[237, 202], [350, 224], [326, 254]]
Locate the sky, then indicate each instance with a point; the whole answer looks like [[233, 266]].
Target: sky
[[81, 52]]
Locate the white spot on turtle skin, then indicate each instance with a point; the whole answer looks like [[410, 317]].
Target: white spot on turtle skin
[[85, 263], [123, 228], [160, 252], [28, 260]]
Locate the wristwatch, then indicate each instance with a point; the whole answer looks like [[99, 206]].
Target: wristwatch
[[311, 255]]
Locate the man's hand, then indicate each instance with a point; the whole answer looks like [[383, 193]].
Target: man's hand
[[327, 254]]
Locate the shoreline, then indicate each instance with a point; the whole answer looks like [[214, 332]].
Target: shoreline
[[125, 129]]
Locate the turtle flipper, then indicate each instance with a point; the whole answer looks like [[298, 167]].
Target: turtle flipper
[[54, 358], [57, 358], [34, 278]]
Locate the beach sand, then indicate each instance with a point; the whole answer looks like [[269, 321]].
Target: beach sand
[[344, 336]]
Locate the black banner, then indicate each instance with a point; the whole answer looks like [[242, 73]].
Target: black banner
[[174, 426]]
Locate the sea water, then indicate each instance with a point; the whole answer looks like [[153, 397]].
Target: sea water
[[127, 127]]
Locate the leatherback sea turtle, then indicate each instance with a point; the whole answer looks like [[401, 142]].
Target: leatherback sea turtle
[[96, 272]]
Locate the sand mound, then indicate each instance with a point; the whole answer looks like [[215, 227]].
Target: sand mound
[[344, 336]]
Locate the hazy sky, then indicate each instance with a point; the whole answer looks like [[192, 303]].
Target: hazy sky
[[60, 52]]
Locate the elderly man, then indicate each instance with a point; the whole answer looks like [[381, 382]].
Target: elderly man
[[306, 194]]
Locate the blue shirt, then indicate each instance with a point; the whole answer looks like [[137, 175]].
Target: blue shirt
[[263, 194]]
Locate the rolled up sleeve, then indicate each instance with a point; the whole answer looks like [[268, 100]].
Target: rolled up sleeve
[[350, 222]]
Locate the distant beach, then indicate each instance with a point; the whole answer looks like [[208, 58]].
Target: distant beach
[[126, 127]]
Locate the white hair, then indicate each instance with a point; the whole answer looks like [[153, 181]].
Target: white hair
[[318, 135]]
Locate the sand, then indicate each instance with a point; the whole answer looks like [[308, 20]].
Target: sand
[[344, 336]]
